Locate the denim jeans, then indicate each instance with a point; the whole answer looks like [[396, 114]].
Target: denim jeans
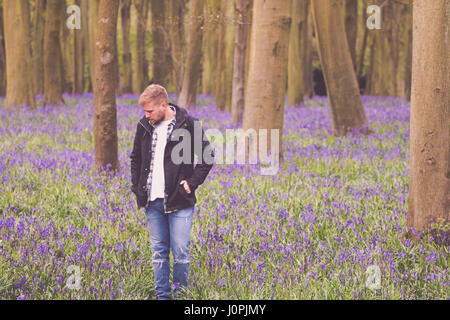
[[169, 231]]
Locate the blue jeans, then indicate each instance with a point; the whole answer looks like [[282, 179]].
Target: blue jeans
[[169, 231]]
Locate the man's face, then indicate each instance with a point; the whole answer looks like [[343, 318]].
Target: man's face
[[155, 111]]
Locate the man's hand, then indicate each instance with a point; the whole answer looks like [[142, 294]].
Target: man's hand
[[186, 186]]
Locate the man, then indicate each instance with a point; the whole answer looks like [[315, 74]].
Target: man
[[165, 190]]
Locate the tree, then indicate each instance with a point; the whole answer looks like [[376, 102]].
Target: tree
[[210, 39], [300, 82], [38, 45], [162, 60], [2, 56], [223, 75], [266, 86], [53, 80], [430, 116], [78, 59], [384, 69], [351, 26], [125, 15], [105, 113], [194, 54], [345, 102], [20, 87], [141, 68], [240, 52], [92, 6], [177, 34]]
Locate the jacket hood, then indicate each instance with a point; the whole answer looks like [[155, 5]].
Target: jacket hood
[[180, 116]]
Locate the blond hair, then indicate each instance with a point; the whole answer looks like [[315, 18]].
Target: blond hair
[[153, 92]]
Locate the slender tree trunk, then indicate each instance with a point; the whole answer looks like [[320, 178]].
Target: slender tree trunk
[[362, 53], [219, 75], [38, 46], [385, 66], [53, 80], [177, 34], [105, 113], [266, 86], [141, 69], [408, 60], [240, 52], [194, 54], [351, 25], [127, 78], [211, 26], [162, 60], [92, 16], [300, 53], [78, 58], [2, 56], [429, 196], [85, 26], [19, 85], [67, 52], [345, 102], [229, 53]]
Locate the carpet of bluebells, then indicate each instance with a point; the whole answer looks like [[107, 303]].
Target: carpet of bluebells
[[336, 207]]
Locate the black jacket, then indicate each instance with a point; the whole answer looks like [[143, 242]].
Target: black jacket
[[177, 197]]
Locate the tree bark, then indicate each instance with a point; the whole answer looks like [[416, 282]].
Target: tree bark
[[105, 113], [408, 60], [78, 58], [194, 55], [20, 87], [300, 54], [240, 52], [141, 68], [177, 39], [162, 60], [93, 21], [429, 196], [127, 78], [385, 54], [38, 46], [267, 77], [345, 102], [87, 45], [211, 25], [53, 80], [2, 56], [351, 25]]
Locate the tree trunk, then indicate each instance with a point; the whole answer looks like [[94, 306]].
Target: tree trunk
[[177, 34], [162, 60], [53, 80], [300, 54], [141, 69], [429, 195], [93, 21], [87, 45], [78, 58], [38, 46], [127, 78], [211, 26], [105, 113], [2, 56], [385, 55], [20, 86], [219, 74], [240, 52], [267, 77], [345, 102], [194, 55], [351, 25], [408, 60]]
